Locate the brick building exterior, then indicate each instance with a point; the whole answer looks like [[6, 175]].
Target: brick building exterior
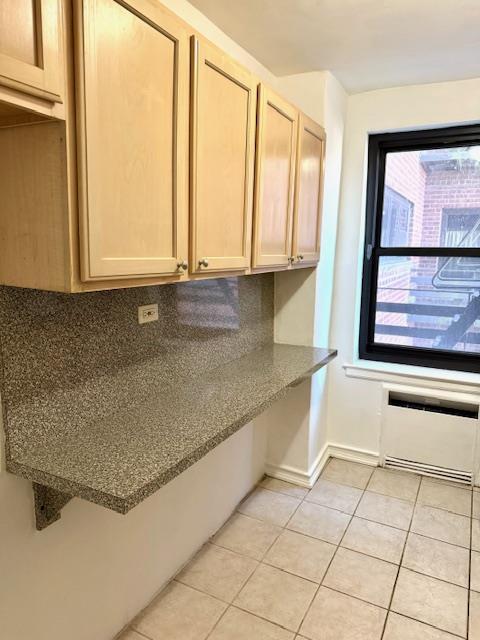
[[431, 199]]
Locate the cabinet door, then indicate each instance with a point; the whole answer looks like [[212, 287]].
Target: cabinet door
[[223, 144], [275, 175], [133, 139], [308, 192], [30, 54]]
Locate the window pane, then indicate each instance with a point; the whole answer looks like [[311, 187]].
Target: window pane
[[432, 198], [416, 308]]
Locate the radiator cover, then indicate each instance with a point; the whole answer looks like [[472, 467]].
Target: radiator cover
[[439, 443]]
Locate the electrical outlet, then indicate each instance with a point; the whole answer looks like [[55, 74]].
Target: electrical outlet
[[147, 313]]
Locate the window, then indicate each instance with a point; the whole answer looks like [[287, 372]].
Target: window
[[396, 218], [421, 273]]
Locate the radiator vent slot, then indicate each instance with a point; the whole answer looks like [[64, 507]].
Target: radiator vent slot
[[454, 475], [433, 405]]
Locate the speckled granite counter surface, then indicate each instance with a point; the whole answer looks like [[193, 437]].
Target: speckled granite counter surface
[[120, 459]]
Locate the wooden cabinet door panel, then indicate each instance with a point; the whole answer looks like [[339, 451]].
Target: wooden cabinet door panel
[[309, 192], [223, 141], [275, 173], [134, 144], [30, 52]]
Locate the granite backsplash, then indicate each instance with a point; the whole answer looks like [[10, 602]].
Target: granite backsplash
[[67, 359]]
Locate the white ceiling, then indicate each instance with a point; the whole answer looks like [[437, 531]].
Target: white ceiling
[[367, 44]]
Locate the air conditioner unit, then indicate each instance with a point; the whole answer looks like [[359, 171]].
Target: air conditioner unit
[[430, 432]]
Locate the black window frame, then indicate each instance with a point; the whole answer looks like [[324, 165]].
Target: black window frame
[[378, 147]]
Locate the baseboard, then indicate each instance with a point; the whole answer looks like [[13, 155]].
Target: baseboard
[[298, 476], [363, 456], [308, 478]]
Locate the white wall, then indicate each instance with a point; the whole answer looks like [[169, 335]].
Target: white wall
[[354, 403], [87, 575]]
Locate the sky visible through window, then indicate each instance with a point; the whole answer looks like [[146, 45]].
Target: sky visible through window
[[431, 199]]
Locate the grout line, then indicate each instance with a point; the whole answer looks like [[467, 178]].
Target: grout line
[[450, 544], [283, 528], [334, 554], [400, 563], [426, 624], [130, 628], [470, 570], [260, 562]]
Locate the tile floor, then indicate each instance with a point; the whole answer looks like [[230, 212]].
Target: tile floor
[[367, 554]]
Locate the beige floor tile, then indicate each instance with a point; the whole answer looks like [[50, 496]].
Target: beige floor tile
[[218, 572], [248, 536], [349, 473], [395, 484], [335, 616], [385, 510], [476, 535], [335, 496], [284, 487], [240, 625], [431, 601], [401, 628], [130, 634], [474, 616], [277, 596], [361, 576], [302, 555], [475, 575], [441, 525], [375, 539], [270, 506], [437, 559], [442, 496], [476, 504], [180, 613], [319, 522]]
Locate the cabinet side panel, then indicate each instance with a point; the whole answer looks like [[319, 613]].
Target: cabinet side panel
[[33, 207]]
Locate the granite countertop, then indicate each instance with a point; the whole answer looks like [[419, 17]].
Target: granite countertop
[[119, 461]]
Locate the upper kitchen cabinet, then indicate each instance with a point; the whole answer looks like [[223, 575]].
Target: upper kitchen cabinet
[[222, 161], [274, 180], [30, 49], [133, 112], [308, 192]]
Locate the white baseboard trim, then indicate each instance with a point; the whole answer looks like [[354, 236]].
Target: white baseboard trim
[[298, 476], [307, 479], [363, 456]]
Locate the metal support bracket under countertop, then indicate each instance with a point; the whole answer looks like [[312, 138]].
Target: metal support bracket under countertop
[[48, 504]]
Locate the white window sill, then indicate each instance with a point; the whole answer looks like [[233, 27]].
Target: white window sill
[[390, 372]]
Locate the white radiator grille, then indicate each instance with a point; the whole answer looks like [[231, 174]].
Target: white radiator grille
[[453, 475]]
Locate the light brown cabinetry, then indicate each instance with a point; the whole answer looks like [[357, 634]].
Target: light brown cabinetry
[[222, 158], [308, 192], [30, 52], [274, 180], [98, 196], [101, 200], [133, 142]]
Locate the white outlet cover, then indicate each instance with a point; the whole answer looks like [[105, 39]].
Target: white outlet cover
[[147, 313]]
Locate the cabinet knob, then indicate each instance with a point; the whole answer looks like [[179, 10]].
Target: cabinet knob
[[291, 259], [203, 262], [182, 265], [300, 256]]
